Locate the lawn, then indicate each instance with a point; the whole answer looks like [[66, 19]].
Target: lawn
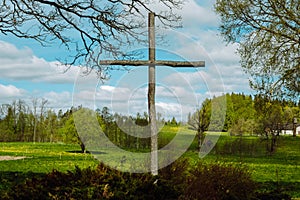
[[44, 157], [281, 170]]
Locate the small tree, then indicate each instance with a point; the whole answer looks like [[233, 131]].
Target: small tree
[[200, 121], [68, 130], [270, 116], [173, 121]]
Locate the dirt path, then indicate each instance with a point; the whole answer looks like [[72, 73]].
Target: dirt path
[[11, 157]]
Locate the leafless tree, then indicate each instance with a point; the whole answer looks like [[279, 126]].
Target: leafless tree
[[200, 121], [87, 28]]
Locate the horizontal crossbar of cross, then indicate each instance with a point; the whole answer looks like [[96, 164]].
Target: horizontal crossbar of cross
[[156, 63]]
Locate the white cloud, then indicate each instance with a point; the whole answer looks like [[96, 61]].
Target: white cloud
[[11, 92], [107, 88], [22, 64], [194, 15], [198, 40], [10, 53], [59, 100]]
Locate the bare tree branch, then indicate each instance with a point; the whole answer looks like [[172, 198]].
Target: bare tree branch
[[87, 28]]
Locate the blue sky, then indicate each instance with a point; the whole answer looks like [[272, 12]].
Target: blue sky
[[28, 70]]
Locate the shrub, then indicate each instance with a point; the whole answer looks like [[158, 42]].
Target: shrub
[[175, 177], [101, 183], [176, 181], [219, 181], [273, 195]]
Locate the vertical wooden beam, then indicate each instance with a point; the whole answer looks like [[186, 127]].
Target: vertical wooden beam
[[151, 63], [151, 94]]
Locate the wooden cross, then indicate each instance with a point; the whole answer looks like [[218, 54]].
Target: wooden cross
[[151, 63]]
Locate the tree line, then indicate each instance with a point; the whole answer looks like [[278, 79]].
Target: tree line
[[248, 115], [245, 115], [21, 122]]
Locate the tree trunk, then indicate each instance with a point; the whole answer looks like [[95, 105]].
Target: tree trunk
[[82, 146], [199, 136]]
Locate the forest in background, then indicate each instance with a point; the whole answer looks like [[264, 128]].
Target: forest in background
[[227, 170], [245, 115], [250, 115]]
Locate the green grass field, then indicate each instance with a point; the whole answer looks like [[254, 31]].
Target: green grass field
[[280, 170], [44, 157]]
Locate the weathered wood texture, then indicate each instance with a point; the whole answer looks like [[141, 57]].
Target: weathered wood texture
[[156, 63], [151, 94], [152, 63]]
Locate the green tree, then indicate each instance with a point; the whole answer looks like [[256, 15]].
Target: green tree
[[243, 126], [173, 122], [142, 120], [20, 118], [270, 118], [69, 132], [230, 114], [218, 113], [7, 123], [240, 114], [51, 123], [288, 116], [268, 35]]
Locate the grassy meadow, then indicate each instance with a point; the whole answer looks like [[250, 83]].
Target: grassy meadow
[[279, 170], [44, 157]]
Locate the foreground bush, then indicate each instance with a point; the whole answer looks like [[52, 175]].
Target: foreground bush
[[101, 183], [177, 181], [219, 181]]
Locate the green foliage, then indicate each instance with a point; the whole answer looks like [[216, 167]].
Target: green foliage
[[68, 131], [240, 146], [176, 176], [220, 181], [267, 32], [177, 181], [241, 115], [245, 115], [101, 183], [280, 169], [244, 127], [276, 174], [275, 191]]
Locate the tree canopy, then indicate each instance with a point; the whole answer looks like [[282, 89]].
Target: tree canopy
[[88, 28], [268, 33]]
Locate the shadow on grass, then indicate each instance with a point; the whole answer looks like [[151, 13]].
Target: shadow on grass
[[278, 190], [88, 152]]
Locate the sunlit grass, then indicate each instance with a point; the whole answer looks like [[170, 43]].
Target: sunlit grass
[[44, 157], [282, 167]]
